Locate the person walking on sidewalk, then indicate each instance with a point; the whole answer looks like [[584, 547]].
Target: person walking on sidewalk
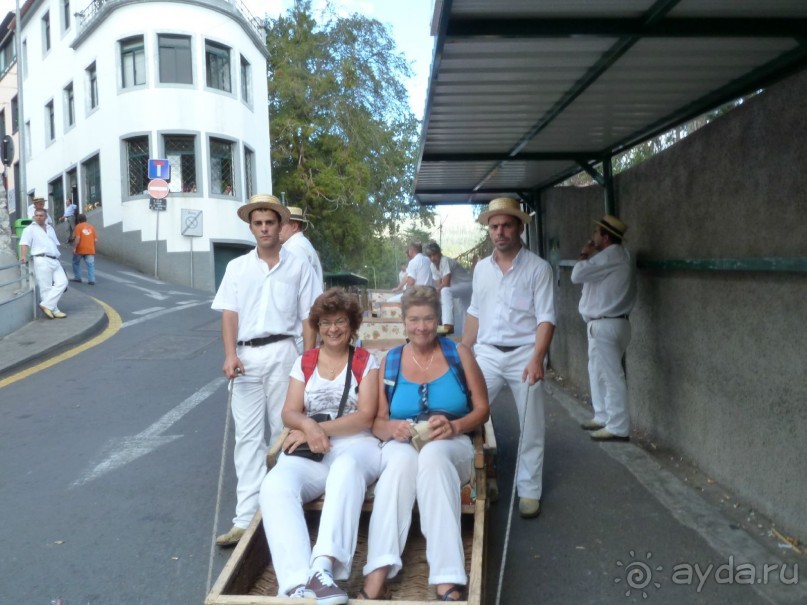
[[69, 217], [265, 298], [84, 238], [608, 275], [38, 240], [509, 325]]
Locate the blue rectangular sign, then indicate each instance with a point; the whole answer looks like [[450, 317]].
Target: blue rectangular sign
[[159, 169]]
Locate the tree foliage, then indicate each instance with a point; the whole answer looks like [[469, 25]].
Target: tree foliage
[[343, 137]]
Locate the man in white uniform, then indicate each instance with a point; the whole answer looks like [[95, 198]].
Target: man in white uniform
[[608, 275], [452, 280], [38, 240], [418, 271], [264, 297], [509, 325], [293, 240]]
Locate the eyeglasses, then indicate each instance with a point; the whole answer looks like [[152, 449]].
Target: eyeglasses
[[423, 391], [327, 323]]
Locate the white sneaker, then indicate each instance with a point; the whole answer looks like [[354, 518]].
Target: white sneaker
[[298, 593]]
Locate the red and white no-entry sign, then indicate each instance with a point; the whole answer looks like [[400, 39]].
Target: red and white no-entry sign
[[158, 189]]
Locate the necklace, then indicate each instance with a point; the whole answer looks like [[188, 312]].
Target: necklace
[[418, 364], [331, 370]]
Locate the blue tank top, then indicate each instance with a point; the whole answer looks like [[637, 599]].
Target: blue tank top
[[442, 395]]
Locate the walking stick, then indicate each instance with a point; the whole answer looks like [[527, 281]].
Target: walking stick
[[221, 478], [512, 496]]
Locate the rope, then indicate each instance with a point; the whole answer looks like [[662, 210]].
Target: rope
[[221, 481], [512, 497]]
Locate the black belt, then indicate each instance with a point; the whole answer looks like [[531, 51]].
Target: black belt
[[507, 348], [263, 340], [617, 317], [45, 255]]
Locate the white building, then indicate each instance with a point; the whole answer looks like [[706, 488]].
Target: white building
[[112, 84]]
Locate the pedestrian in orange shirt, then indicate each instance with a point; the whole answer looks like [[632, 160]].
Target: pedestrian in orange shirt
[[84, 247]]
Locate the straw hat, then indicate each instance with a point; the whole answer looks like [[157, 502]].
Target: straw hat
[[504, 205], [613, 225], [37, 200], [263, 201], [297, 214]]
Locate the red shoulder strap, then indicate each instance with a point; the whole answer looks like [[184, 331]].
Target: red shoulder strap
[[309, 362], [360, 359]]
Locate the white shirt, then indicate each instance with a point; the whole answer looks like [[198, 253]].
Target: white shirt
[[419, 269], [450, 266], [268, 302], [40, 241], [300, 245], [322, 396], [609, 283], [510, 305]]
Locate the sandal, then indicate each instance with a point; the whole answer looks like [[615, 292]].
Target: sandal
[[384, 595], [455, 589]]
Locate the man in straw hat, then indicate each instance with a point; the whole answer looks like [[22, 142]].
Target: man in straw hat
[[510, 324], [293, 239], [264, 297], [36, 204], [607, 273]]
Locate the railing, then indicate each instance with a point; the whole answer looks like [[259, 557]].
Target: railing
[[85, 18], [25, 279]]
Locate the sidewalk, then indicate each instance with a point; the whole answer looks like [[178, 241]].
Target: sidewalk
[[44, 337]]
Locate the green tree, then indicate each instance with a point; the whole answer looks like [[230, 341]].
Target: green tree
[[343, 137]]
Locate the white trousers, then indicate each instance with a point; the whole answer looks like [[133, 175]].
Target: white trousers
[[608, 340], [500, 368], [434, 476], [51, 281], [343, 475], [258, 395], [447, 296]]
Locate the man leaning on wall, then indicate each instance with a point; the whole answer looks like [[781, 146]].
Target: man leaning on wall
[[607, 272]]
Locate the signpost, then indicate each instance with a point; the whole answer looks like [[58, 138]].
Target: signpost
[[158, 190], [191, 221]]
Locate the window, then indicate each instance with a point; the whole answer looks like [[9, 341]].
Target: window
[[7, 55], [27, 134], [91, 172], [246, 80], [15, 115], [175, 59], [133, 62], [249, 173], [66, 14], [217, 65], [56, 197], [46, 32], [69, 105], [137, 165], [50, 122], [180, 151], [221, 167], [2, 123], [92, 82]]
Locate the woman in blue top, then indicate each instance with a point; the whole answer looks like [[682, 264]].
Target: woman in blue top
[[426, 387]]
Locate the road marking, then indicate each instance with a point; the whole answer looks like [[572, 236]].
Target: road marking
[[692, 511], [113, 325], [147, 311], [121, 451], [109, 276], [134, 322], [143, 277], [148, 292]]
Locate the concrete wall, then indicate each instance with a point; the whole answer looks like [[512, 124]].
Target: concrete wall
[[717, 367]]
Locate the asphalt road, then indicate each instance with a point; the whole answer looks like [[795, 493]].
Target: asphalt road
[[110, 460]]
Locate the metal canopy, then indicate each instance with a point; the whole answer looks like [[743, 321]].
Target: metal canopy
[[523, 93]]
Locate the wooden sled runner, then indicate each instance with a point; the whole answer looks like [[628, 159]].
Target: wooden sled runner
[[248, 577]]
